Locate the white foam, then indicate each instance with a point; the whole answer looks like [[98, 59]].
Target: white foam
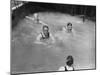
[[79, 22]]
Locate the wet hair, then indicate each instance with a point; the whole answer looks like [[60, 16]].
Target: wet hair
[[69, 24], [45, 26], [70, 60]]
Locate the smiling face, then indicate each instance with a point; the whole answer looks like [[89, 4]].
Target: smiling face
[[45, 29]]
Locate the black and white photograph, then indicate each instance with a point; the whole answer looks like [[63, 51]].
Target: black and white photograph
[[52, 37]]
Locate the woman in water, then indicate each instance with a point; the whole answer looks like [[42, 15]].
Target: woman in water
[[69, 64]]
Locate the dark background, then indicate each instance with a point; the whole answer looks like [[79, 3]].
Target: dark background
[[31, 7]]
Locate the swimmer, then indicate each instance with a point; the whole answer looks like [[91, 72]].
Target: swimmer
[[45, 36], [68, 28], [35, 17], [69, 64], [66, 33]]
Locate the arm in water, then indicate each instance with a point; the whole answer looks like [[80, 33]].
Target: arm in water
[[38, 40]]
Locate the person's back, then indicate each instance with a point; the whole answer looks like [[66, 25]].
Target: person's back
[[68, 66]]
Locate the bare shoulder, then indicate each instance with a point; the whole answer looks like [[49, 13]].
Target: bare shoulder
[[61, 68]]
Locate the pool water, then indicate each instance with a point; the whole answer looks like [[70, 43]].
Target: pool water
[[27, 56]]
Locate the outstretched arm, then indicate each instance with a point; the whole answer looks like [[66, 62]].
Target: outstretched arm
[[38, 40], [30, 18]]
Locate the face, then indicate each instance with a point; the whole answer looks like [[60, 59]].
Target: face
[[69, 27], [45, 30]]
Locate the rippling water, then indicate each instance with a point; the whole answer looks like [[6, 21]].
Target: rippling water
[[28, 56]]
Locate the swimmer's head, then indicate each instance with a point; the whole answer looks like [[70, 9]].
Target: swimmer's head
[[69, 61], [35, 15], [69, 26], [45, 28]]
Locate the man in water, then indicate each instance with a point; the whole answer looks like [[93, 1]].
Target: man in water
[[68, 28], [66, 32], [45, 36], [36, 19], [69, 64]]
